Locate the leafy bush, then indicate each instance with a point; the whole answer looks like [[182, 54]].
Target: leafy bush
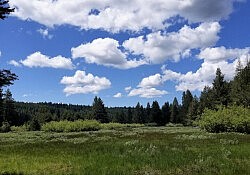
[[5, 127], [19, 128], [69, 126], [231, 119]]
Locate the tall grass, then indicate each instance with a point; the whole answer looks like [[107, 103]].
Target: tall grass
[[137, 151]]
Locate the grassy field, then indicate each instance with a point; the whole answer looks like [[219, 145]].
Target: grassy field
[[134, 151]]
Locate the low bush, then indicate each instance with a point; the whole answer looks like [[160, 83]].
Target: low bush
[[69, 126], [19, 128], [5, 127], [230, 119]]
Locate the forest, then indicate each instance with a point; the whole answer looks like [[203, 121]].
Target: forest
[[192, 109]]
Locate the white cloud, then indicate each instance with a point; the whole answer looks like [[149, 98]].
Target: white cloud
[[0, 53], [82, 83], [105, 52], [218, 54], [151, 81], [14, 63], [127, 89], [114, 16], [158, 47], [45, 33], [206, 73], [118, 95], [147, 92], [146, 87], [39, 60]]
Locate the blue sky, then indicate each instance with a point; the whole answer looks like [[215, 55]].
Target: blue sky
[[123, 51]]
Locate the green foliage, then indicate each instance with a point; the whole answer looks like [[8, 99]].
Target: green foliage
[[231, 119], [99, 111], [22, 128], [5, 127], [34, 125], [156, 114], [240, 92], [110, 126], [174, 118], [69, 126]]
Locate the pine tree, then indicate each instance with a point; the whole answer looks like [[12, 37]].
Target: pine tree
[[206, 100], [240, 92], [220, 89], [138, 116], [5, 9], [166, 113], [174, 118], [148, 116], [9, 108], [99, 111], [156, 113], [193, 109], [129, 115], [187, 99]]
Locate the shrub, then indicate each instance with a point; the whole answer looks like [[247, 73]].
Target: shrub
[[69, 126], [231, 119], [5, 127], [19, 128]]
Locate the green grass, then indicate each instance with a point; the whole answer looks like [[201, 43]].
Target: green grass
[[128, 151]]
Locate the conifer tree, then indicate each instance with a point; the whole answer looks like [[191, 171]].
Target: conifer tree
[[99, 111], [156, 113], [166, 113], [174, 111], [5, 9]]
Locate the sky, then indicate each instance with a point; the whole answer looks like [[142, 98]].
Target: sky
[[124, 51]]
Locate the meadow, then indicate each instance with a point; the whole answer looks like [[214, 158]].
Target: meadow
[[126, 151]]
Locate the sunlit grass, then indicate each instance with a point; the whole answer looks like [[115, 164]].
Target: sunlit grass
[[175, 150]]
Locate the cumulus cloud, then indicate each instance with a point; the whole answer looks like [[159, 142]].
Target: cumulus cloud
[[105, 52], [45, 33], [146, 87], [14, 63], [39, 60], [118, 95], [82, 83], [127, 89], [114, 16], [147, 92], [206, 73], [151, 81], [159, 47], [217, 54]]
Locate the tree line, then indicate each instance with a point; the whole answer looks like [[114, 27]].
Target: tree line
[[221, 92]]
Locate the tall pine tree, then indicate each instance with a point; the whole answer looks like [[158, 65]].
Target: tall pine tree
[[166, 113], [98, 111], [156, 113], [174, 118]]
